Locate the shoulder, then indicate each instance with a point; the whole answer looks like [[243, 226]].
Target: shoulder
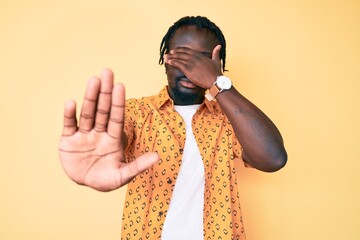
[[148, 102], [143, 101]]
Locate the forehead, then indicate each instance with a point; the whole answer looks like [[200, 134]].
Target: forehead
[[199, 39]]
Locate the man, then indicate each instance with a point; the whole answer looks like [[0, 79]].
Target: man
[[177, 150]]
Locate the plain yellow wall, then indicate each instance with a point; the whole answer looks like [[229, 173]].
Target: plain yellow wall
[[299, 61]]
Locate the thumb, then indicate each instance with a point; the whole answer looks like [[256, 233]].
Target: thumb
[[216, 53], [138, 166]]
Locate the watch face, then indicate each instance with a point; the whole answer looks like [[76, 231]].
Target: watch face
[[223, 83]]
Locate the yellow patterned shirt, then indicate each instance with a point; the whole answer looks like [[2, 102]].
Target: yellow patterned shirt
[[153, 125]]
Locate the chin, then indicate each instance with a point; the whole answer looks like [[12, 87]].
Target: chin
[[187, 96]]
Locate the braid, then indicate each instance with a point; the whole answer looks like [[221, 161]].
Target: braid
[[200, 22]]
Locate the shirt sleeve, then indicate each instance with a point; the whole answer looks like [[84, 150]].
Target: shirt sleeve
[[129, 122]]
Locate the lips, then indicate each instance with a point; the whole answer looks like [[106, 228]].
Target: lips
[[186, 83]]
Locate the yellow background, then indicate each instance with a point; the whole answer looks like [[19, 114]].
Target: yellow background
[[299, 61]]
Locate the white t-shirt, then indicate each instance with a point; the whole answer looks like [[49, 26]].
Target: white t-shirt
[[184, 219]]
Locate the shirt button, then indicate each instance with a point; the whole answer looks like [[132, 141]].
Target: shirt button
[[161, 213], [181, 150], [169, 181], [180, 124]]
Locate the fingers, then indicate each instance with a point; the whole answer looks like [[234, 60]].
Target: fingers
[[181, 54], [182, 58], [216, 53], [70, 122], [87, 115], [116, 121], [180, 64], [104, 101], [138, 166]]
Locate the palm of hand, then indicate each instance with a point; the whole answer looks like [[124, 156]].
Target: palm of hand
[[93, 159], [92, 153]]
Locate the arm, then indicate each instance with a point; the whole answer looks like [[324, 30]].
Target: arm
[[262, 143], [263, 147]]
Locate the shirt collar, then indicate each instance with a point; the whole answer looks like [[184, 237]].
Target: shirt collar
[[164, 98]]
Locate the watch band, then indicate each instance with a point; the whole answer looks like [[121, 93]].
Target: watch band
[[214, 90]]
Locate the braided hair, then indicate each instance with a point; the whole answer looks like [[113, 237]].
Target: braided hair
[[200, 22]]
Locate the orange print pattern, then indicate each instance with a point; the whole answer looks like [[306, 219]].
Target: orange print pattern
[[153, 125]]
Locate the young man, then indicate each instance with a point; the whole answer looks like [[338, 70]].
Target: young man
[[177, 150]]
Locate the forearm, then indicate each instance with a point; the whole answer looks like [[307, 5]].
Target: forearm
[[263, 146]]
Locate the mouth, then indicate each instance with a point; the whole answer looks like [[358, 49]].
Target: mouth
[[186, 83]]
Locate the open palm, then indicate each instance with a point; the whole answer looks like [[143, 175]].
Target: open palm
[[92, 152]]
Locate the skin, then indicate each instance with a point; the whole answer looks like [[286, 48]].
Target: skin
[[197, 43], [262, 143], [92, 151]]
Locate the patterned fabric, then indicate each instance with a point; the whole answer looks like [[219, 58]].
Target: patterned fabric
[[152, 124]]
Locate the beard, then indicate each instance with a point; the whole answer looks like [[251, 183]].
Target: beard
[[186, 96]]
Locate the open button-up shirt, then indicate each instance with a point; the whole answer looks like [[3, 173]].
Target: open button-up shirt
[[153, 125]]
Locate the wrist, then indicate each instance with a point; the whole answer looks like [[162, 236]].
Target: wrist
[[221, 84]]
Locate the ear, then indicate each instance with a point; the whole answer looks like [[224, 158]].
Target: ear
[[216, 53]]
